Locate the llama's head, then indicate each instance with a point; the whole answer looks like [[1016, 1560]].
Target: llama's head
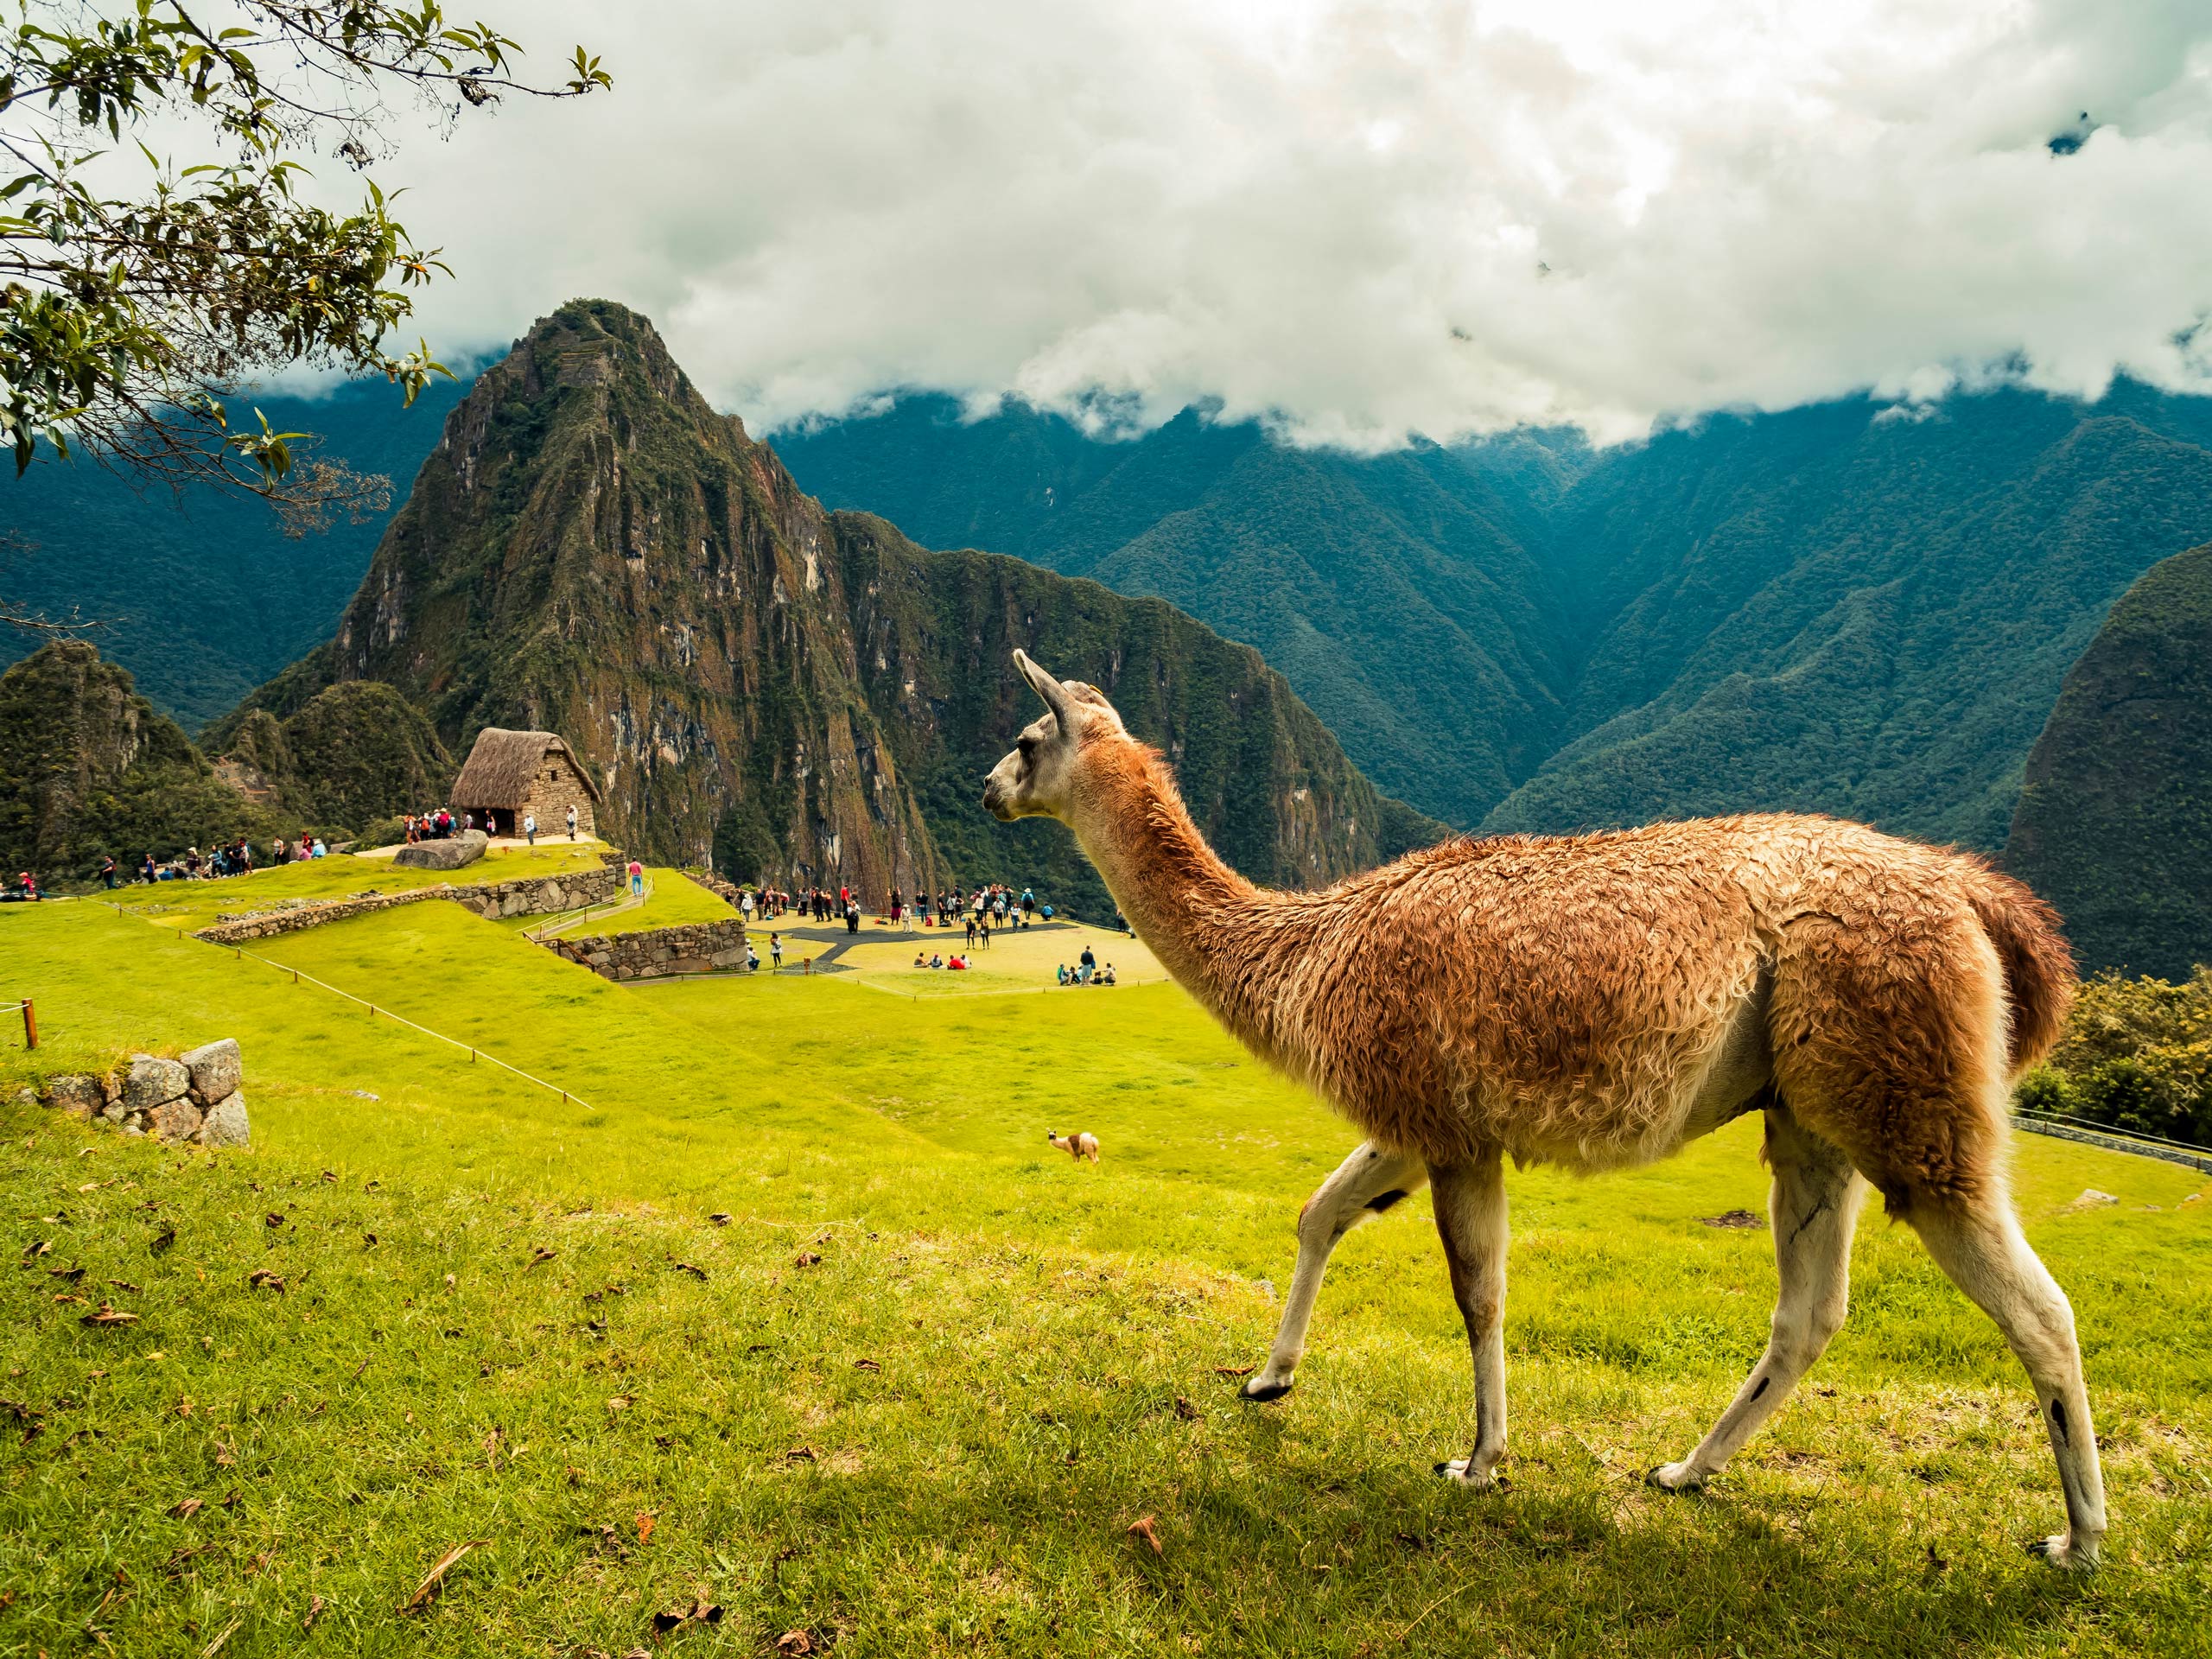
[[1037, 779]]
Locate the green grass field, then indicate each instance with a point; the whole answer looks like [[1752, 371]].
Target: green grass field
[[934, 1438]]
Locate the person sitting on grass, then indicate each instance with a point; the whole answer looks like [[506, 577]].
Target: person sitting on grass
[[958, 964], [920, 961], [936, 962], [1106, 974], [752, 959], [1064, 973]]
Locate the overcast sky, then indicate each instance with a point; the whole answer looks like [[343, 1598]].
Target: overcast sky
[[1355, 220]]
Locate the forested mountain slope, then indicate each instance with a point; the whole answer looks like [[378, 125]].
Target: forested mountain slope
[[204, 597], [1832, 610], [2115, 826]]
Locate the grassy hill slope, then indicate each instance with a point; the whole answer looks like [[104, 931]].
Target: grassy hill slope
[[1041, 1344]]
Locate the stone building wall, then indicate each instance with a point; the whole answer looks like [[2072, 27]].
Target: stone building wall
[[555, 789]]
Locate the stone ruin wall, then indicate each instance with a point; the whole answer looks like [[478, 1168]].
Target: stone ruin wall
[[690, 947], [196, 1098], [535, 895]]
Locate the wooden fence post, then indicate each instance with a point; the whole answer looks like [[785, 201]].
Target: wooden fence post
[[30, 1024]]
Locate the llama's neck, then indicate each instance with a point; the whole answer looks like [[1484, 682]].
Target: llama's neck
[[1196, 914]]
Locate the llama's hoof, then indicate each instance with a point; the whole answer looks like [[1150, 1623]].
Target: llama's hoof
[[1675, 1478], [1459, 1474], [1259, 1393], [2061, 1551]]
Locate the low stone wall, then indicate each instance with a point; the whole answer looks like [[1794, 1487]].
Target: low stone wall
[[530, 895], [693, 948], [237, 929], [195, 1097]]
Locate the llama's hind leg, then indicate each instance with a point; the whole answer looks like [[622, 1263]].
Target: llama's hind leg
[[1367, 1183], [1980, 1247], [1471, 1220], [1815, 1207]]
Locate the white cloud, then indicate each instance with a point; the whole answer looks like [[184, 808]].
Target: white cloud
[[1357, 219]]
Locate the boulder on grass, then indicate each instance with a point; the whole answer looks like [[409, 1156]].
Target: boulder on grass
[[224, 1124], [77, 1094], [173, 1120], [151, 1081], [447, 855], [217, 1070]]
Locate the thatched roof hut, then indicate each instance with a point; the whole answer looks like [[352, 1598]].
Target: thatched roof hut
[[509, 774]]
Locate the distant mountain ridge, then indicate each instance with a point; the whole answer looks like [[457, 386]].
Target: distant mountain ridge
[[790, 694], [1850, 607]]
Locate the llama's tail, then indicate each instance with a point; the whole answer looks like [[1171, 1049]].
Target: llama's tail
[[2040, 978]]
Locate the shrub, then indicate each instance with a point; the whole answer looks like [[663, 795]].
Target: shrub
[[2136, 1054]]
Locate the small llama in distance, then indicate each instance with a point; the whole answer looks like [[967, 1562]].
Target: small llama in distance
[[1079, 1145]]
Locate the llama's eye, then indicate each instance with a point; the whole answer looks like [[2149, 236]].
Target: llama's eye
[[1028, 745]]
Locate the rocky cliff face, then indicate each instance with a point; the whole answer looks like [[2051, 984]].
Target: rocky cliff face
[[593, 550], [2114, 825]]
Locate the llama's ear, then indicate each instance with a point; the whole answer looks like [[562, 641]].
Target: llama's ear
[[1054, 693]]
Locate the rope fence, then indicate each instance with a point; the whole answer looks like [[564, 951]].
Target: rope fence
[[474, 1053]]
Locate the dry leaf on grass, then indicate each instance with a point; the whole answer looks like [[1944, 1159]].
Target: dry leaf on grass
[[799, 1454], [701, 1612], [866, 1365], [125, 1285], [109, 1316], [162, 1240], [1143, 1527], [1185, 1410], [685, 1267], [314, 1612], [539, 1260], [262, 1279], [1732, 1218], [720, 1218], [73, 1274], [620, 1402], [274, 1218], [431, 1580], [807, 1259], [795, 1644], [1235, 1371], [647, 1521], [185, 1508]]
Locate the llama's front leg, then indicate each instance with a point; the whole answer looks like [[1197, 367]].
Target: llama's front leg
[[1815, 1209], [1471, 1220], [1365, 1184]]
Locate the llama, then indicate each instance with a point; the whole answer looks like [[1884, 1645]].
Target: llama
[[1599, 1001], [1079, 1145]]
